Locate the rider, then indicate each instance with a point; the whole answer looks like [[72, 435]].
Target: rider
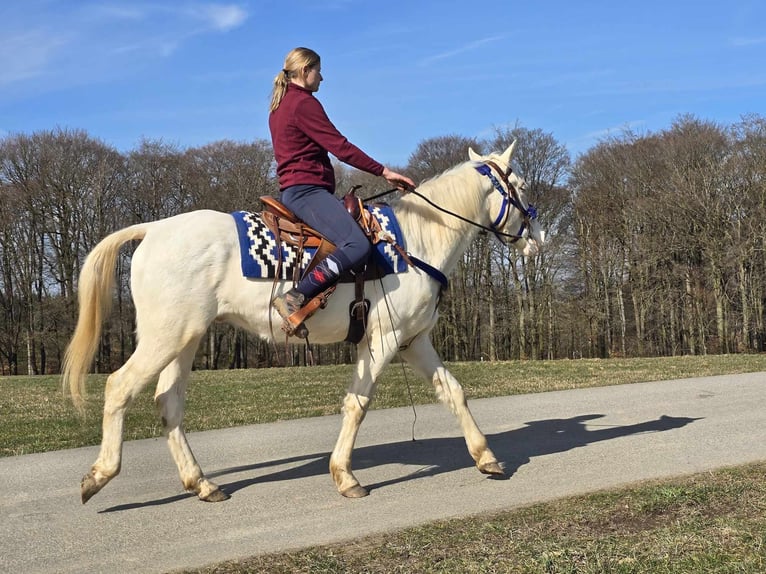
[[302, 135]]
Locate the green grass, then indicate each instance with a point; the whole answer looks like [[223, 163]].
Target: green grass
[[708, 523], [36, 417]]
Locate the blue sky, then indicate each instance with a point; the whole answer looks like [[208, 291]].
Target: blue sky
[[396, 72]]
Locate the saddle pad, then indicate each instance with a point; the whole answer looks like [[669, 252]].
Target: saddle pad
[[258, 247]]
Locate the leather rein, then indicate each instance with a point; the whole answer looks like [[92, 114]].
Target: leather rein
[[510, 197]]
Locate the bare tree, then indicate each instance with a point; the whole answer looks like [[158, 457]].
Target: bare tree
[[229, 176], [544, 164], [656, 242], [747, 210], [436, 155]]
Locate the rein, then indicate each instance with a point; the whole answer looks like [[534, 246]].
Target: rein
[[509, 197], [460, 217]]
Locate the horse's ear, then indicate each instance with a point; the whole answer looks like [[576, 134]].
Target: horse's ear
[[472, 155], [508, 154]]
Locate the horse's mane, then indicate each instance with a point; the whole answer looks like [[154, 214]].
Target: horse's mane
[[453, 188], [458, 189]]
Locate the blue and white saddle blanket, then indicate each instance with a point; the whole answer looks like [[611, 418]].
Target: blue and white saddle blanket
[[258, 247]]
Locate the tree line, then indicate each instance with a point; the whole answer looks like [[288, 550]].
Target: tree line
[[655, 244]]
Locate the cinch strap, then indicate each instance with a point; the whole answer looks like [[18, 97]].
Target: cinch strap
[[431, 271]]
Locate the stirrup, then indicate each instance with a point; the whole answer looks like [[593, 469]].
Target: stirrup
[[300, 330], [293, 323], [289, 307]]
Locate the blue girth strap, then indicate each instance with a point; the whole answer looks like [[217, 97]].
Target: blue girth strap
[[431, 271]]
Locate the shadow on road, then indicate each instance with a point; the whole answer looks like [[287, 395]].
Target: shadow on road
[[513, 448]]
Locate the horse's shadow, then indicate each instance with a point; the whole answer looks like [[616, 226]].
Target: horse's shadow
[[514, 448]]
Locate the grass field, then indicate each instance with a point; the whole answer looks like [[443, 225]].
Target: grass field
[[714, 522]]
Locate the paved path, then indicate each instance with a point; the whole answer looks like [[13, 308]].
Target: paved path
[[552, 445]]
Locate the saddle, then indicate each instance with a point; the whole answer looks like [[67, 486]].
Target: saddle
[[286, 226]]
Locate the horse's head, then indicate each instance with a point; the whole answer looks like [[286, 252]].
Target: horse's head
[[514, 219]]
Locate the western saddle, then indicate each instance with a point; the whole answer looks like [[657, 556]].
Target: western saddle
[[287, 228]]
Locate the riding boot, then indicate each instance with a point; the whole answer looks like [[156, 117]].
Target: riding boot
[[288, 304]]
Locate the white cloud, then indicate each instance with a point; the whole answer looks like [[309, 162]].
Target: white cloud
[[462, 49], [75, 41], [25, 55], [114, 12], [222, 17], [745, 41]]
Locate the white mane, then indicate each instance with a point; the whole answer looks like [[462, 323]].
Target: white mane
[[457, 190]]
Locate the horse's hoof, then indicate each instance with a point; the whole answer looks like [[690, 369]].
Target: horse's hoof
[[88, 487], [355, 492], [492, 468], [217, 495]]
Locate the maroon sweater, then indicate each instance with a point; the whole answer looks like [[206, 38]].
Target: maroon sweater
[[302, 134]]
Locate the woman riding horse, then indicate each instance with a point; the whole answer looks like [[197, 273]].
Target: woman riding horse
[[302, 135]]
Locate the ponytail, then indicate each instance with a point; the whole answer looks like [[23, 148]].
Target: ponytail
[[278, 91]]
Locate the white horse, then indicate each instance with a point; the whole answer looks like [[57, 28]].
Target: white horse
[[186, 274]]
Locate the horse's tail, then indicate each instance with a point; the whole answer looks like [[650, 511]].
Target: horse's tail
[[95, 301]]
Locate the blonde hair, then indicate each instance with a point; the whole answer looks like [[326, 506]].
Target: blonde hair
[[295, 62]]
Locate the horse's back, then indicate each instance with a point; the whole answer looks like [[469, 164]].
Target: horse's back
[[183, 239], [182, 260], [188, 268]]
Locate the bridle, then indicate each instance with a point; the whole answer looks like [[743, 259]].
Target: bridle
[[510, 197]]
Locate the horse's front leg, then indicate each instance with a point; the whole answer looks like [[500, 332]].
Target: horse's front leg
[[422, 356], [355, 406], [354, 410]]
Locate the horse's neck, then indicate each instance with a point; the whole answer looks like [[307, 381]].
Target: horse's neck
[[436, 237]]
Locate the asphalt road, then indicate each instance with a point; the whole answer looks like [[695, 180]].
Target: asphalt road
[[551, 444]]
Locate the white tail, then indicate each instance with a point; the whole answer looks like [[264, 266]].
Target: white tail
[[95, 302]]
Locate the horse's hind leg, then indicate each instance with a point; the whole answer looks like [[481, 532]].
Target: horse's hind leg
[[424, 359], [122, 387], [171, 399]]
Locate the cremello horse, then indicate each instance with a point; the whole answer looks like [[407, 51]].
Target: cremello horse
[[186, 274]]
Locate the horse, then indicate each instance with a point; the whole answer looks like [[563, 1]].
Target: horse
[[186, 274]]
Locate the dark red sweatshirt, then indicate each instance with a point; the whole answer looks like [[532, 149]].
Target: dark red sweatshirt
[[302, 134]]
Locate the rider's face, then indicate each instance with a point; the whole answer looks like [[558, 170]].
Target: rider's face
[[313, 77]]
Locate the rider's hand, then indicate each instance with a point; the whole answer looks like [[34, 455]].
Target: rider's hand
[[399, 181]]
